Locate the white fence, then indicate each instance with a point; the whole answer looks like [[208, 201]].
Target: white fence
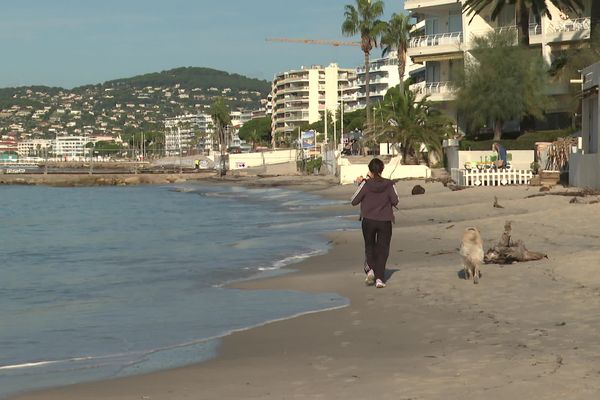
[[491, 177]]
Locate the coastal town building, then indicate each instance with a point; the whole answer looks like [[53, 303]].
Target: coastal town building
[[8, 145], [34, 148], [447, 36], [193, 133], [185, 133], [383, 74], [301, 96], [70, 148]]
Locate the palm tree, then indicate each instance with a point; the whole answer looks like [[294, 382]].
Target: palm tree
[[363, 20], [395, 37], [401, 119], [524, 8], [219, 112]]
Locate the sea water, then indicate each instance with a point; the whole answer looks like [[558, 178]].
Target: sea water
[[105, 282]]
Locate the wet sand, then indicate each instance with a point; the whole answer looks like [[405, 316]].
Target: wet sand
[[527, 331]]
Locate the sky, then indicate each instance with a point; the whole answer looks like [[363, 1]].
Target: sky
[[69, 43]]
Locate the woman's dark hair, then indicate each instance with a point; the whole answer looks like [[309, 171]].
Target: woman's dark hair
[[376, 166]]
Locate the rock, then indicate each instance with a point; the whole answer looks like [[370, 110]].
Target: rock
[[132, 180], [418, 189], [545, 189]]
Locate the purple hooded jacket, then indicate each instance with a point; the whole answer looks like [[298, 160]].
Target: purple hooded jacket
[[376, 196]]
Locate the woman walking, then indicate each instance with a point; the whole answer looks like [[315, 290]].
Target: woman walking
[[376, 196]]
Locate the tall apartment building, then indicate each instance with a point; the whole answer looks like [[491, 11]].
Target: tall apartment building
[[302, 96], [448, 34], [383, 74], [180, 132]]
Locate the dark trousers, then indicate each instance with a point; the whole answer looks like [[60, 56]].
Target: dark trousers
[[377, 235]]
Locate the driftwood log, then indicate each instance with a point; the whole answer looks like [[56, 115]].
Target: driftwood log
[[507, 251]]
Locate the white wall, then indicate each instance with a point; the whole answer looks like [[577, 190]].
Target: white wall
[[247, 160], [521, 159], [392, 170]]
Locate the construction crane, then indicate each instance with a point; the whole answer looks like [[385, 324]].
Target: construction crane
[[335, 43]]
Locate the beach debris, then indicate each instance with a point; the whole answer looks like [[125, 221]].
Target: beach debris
[[496, 204], [575, 193], [507, 251], [450, 227], [584, 200], [545, 189], [418, 189]]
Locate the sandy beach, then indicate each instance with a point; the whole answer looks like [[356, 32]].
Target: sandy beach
[[527, 331]]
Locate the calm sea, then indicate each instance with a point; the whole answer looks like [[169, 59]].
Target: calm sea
[[112, 281]]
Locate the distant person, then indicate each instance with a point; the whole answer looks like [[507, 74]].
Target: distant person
[[354, 147], [500, 150], [196, 164], [376, 196], [347, 151]]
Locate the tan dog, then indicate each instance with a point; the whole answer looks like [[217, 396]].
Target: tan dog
[[471, 250]]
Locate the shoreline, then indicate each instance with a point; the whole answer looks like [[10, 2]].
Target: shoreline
[[428, 334]]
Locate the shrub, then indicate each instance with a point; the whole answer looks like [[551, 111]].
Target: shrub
[[524, 142]]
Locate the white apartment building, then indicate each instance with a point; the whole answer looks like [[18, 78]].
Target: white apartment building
[[383, 74], [302, 96], [180, 132], [34, 148], [448, 34], [70, 148]]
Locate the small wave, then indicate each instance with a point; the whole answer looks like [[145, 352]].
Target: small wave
[[296, 258], [45, 363], [267, 268], [225, 195]]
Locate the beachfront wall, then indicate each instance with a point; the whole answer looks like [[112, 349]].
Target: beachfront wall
[[392, 170], [248, 160], [521, 159]]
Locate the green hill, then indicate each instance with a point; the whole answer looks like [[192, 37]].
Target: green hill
[[194, 77]]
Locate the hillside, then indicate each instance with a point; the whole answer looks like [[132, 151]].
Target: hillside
[[194, 77], [128, 105]]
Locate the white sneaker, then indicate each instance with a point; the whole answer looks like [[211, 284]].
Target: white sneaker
[[370, 279], [379, 284]]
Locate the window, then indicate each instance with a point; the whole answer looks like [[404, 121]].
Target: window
[[431, 26], [455, 21], [432, 69]]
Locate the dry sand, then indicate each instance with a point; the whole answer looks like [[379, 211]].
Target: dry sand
[[527, 331]]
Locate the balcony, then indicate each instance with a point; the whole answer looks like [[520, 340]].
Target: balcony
[[417, 4], [374, 81], [293, 90], [372, 93], [535, 32], [291, 109], [294, 79], [439, 43], [568, 30], [436, 91], [299, 117]]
